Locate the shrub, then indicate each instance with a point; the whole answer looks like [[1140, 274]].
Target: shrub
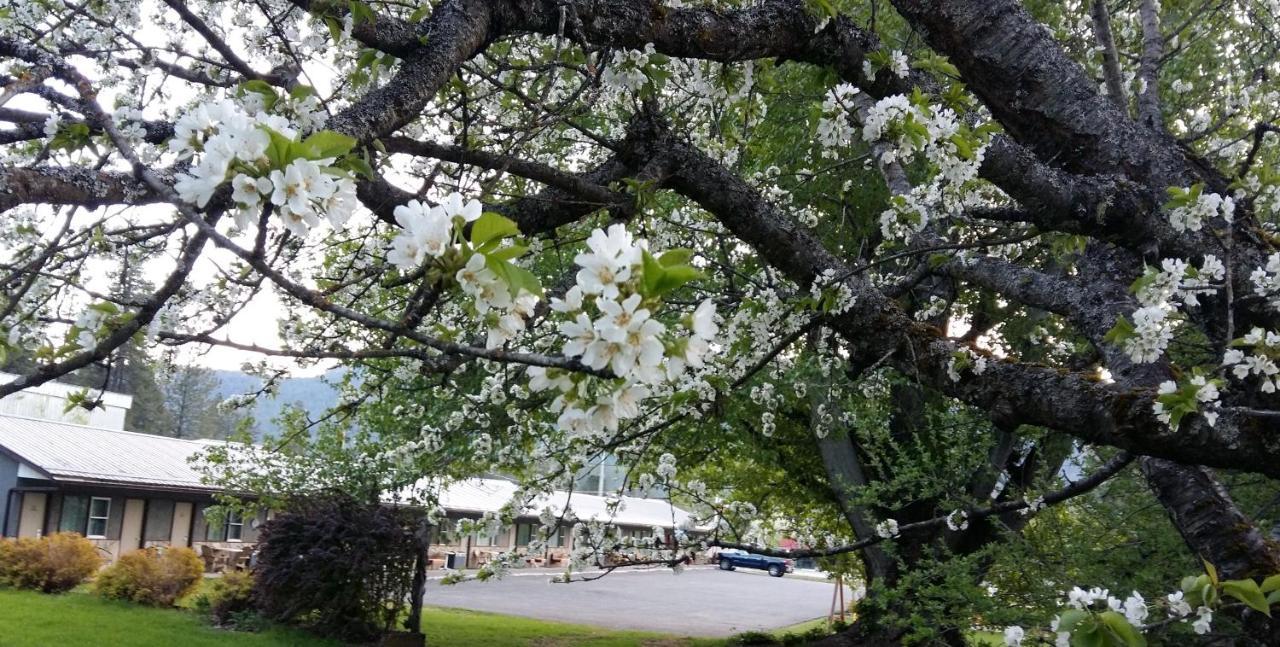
[[337, 566], [226, 597], [53, 564], [151, 576], [753, 638]]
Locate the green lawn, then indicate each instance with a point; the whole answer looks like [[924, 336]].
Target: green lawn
[[72, 619], [78, 618], [450, 627]]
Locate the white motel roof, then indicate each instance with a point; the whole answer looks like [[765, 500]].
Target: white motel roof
[[480, 495], [66, 452]]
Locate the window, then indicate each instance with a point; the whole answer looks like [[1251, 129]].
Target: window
[[556, 539], [235, 525], [213, 532], [526, 532], [75, 514], [99, 512], [484, 539]]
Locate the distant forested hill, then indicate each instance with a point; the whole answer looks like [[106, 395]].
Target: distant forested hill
[[314, 394]]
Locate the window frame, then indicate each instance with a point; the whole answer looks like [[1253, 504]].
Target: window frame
[[234, 519], [90, 518], [492, 539]]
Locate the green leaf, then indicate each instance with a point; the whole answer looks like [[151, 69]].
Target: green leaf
[[1088, 634], [1121, 331], [360, 12], [420, 13], [492, 226], [280, 152], [653, 271], [357, 165], [335, 28], [516, 278], [676, 256], [1068, 620], [70, 137], [674, 277], [263, 88], [300, 92], [509, 252], [1126, 633], [327, 143], [1210, 571], [1247, 591], [524, 279], [1271, 584]]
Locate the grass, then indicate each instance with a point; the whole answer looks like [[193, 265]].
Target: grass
[[78, 618], [461, 628], [33, 620]]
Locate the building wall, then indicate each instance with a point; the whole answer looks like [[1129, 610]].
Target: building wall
[[48, 402], [8, 481], [135, 521]]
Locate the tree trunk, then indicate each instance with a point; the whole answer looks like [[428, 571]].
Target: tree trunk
[[1209, 521]]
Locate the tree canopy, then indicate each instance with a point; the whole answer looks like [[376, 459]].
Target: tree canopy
[[953, 292]]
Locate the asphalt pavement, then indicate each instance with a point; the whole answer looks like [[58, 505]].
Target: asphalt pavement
[[698, 602]]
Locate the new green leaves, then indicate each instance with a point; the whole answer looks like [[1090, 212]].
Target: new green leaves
[[668, 272]]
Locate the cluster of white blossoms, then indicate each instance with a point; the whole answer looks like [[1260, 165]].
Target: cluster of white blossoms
[[835, 128], [767, 424], [434, 234], [226, 140], [897, 65], [1266, 281], [1161, 292], [610, 326], [887, 529], [88, 325], [626, 71], [906, 128], [895, 120], [965, 358], [1013, 636], [1177, 282], [906, 216], [832, 292], [428, 232], [1133, 608], [666, 466], [1033, 506], [958, 520], [1261, 363], [1152, 332], [1179, 608], [1205, 396], [1199, 208]]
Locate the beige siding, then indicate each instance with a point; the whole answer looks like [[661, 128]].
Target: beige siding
[[31, 521]]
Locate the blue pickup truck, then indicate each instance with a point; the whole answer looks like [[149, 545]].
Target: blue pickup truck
[[731, 558]]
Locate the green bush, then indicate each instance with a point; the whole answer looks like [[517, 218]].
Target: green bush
[[753, 638], [152, 576], [53, 564], [226, 598]]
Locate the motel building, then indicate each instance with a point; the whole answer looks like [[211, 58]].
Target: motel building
[[81, 471]]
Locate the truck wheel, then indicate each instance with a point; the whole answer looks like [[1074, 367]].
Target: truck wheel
[[776, 570], [726, 565]]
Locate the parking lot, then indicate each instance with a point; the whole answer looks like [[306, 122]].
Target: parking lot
[[701, 601]]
